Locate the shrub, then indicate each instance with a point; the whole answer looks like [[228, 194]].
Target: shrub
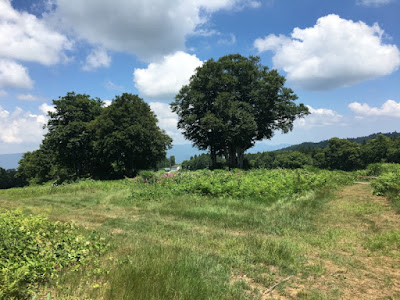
[[34, 250], [148, 176], [388, 182], [381, 168]]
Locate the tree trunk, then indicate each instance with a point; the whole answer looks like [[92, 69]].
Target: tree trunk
[[213, 158], [240, 153], [232, 158]]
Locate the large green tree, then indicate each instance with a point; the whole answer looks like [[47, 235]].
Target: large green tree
[[36, 167], [127, 137], [342, 154], [69, 138], [231, 103], [376, 150]]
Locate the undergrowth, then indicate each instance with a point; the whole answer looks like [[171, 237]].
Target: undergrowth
[[264, 185], [388, 182], [33, 250]]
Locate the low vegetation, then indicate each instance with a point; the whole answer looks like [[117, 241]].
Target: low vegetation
[[34, 250], [206, 235], [388, 182]]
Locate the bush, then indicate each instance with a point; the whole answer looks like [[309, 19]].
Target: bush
[[148, 176], [381, 168], [388, 182], [34, 250]]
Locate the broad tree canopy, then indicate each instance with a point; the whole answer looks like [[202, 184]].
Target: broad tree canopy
[[127, 136], [231, 103], [69, 138]]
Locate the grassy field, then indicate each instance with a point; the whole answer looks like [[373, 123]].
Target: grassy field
[[220, 235]]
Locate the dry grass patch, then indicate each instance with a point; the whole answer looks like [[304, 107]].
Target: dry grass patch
[[352, 269]]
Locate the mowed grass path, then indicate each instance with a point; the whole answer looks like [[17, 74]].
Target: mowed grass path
[[342, 246]]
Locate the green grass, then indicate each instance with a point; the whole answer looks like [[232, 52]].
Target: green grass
[[203, 235]]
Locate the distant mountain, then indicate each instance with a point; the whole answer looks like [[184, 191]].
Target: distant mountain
[[10, 161], [262, 147], [323, 144], [185, 151]]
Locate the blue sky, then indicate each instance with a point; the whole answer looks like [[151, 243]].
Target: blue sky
[[340, 57]]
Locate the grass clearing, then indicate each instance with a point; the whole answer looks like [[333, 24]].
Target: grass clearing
[[168, 242]]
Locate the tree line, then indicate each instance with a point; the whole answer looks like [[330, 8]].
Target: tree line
[[86, 139], [339, 154], [227, 106]]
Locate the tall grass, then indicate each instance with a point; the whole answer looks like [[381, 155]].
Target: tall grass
[[193, 235]]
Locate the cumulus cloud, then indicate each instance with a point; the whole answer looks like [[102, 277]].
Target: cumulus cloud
[[373, 2], [147, 28], [168, 121], [25, 37], [319, 117], [19, 127], [163, 80], [45, 108], [334, 53], [390, 108], [98, 58], [14, 75], [107, 103]]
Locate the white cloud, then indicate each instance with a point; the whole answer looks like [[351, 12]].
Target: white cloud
[[45, 108], [168, 121], [19, 127], [27, 97], [107, 103], [390, 108], [373, 2], [319, 117], [98, 58], [164, 80], [148, 28], [25, 37], [13, 75], [334, 53]]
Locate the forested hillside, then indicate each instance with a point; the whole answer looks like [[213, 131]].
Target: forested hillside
[[359, 140]]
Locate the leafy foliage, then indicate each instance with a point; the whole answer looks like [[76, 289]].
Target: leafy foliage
[[8, 179], [339, 154], [388, 182], [36, 167], [85, 139], [69, 138], [291, 160], [233, 102], [262, 185], [127, 137], [34, 250], [342, 154]]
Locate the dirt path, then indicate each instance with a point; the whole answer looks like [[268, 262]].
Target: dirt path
[[357, 247]]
